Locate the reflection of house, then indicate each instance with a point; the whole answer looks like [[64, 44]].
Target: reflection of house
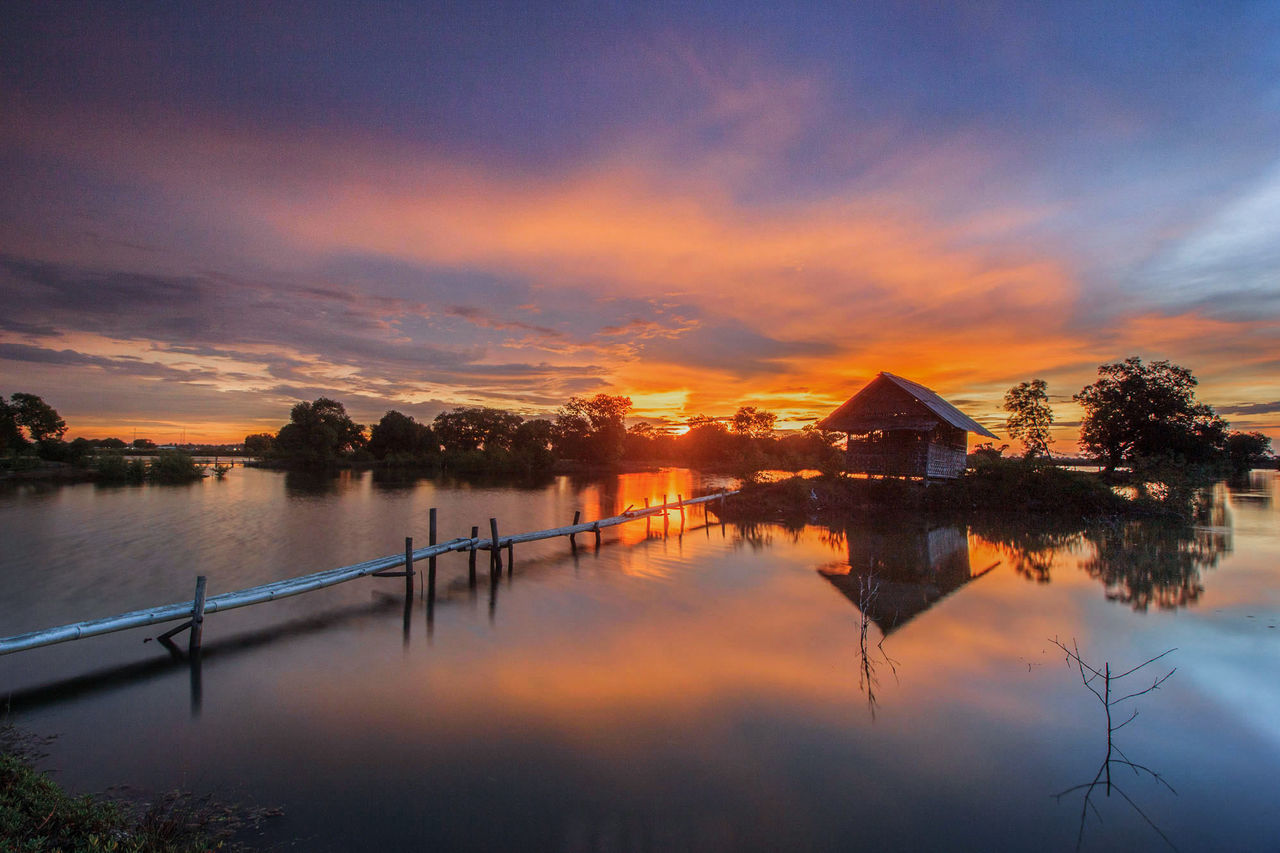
[[898, 428], [893, 575]]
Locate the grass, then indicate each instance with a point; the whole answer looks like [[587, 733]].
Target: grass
[[38, 816]]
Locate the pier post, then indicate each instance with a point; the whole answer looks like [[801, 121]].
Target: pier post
[[431, 561], [471, 557], [495, 550], [573, 537], [596, 528], [408, 567], [197, 617]]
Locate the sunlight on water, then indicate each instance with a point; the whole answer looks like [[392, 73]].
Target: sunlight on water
[[690, 685]]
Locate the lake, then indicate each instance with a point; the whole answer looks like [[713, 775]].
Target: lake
[[689, 686]]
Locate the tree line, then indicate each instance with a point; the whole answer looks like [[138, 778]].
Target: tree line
[[1138, 414], [31, 433], [585, 430], [1135, 414]]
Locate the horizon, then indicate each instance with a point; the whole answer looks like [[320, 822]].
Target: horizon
[[213, 214]]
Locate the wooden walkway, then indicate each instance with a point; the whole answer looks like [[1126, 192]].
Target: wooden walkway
[[197, 608]]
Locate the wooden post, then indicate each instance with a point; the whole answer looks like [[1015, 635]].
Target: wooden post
[[596, 528], [408, 566], [197, 617], [471, 557], [511, 558], [680, 504], [431, 561], [495, 550], [573, 539]]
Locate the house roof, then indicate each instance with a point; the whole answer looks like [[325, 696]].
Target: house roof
[[849, 412]]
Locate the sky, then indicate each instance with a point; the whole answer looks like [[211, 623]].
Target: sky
[[212, 211]]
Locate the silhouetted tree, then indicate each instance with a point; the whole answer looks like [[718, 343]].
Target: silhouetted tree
[[753, 423], [1136, 410], [37, 417], [148, 444], [1030, 417], [708, 443], [1248, 450], [257, 444], [399, 435], [592, 428], [318, 433], [531, 445], [11, 438], [467, 429]]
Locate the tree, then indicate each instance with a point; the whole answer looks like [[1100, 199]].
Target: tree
[[148, 444], [258, 444], [37, 417], [317, 433], [1248, 450], [1030, 418], [467, 429], [708, 443], [400, 435], [11, 439], [532, 444], [592, 428], [753, 423], [1136, 411]]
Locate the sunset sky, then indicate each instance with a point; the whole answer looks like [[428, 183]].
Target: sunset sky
[[210, 212]]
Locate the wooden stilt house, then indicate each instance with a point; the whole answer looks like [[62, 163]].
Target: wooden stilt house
[[898, 428]]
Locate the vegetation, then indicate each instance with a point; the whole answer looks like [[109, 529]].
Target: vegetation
[[1137, 411], [169, 468], [319, 433], [38, 816], [1145, 416], [592, 429], [1030, 416]]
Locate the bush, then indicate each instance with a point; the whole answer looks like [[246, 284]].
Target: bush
[[174, 467], [114, 468]]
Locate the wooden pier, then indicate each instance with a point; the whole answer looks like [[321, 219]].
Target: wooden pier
[[193, 612]]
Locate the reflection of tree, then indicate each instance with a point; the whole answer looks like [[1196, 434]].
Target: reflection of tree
[[758, 537], [1104, 683], [1030, 546], [1145, 563]]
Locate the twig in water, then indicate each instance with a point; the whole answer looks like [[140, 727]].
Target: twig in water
[[1094, 678]]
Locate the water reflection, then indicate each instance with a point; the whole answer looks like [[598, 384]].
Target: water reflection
[[1146, 563], [909, 568]]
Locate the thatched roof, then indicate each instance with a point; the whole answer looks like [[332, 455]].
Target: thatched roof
[[891, 402]]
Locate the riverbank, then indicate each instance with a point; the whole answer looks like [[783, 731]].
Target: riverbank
[[1009, 488], [37, 815]]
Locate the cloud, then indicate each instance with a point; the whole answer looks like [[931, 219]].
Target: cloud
[[1251, 408]]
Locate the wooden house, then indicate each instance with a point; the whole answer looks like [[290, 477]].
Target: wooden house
[[897, 428]]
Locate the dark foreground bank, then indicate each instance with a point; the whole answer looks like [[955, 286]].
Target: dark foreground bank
[[37, 815]]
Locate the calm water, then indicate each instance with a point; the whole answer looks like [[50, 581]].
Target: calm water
[[704, 688]]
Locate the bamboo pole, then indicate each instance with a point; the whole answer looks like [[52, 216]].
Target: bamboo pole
[[306, 583]]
